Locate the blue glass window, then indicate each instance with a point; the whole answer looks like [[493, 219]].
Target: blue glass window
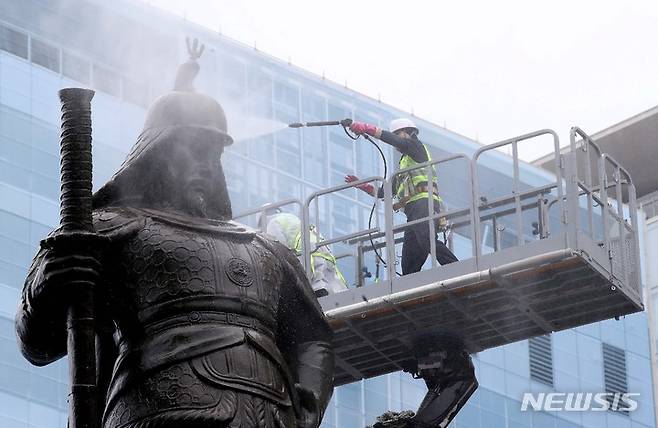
[[76, 68], [107, 81], [13, 41], [45, 54]]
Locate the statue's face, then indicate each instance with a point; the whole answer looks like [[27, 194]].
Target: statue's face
[[199, 179]]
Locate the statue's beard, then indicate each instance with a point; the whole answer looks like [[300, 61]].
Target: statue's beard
[[197, 203]]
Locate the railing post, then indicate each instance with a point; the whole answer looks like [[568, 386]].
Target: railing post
[[388, 231], [520, 240], [475, 212], [571, 214], [306, 239], [430, 212], [622, 224]]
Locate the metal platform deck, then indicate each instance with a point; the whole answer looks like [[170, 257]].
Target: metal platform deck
[[526, 297], [544, 257]]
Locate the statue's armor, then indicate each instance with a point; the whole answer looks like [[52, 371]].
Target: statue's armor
[[199, 325]]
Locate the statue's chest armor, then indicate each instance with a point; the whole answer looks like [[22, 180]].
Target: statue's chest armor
[[163, 262]]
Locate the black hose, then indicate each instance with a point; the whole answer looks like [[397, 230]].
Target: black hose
[[372, 210]]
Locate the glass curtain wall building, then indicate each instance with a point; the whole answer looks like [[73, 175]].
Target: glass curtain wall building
[[128, 52]]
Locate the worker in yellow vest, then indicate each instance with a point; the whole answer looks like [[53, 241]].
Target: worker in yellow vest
[[286, 228], [411, 190]]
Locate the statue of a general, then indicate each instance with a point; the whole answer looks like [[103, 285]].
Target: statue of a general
[[201, 322]]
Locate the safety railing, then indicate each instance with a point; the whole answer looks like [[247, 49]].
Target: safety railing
[[620, 231], [260, 211], [585, 161], [311, 212], [589, 194], [522, 200]]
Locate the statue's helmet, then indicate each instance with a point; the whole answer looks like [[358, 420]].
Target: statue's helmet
[[175, 112], [181, 118]]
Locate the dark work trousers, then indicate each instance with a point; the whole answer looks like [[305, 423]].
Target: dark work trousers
[[416, 246]]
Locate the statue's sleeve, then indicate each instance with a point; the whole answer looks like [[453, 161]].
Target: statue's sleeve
[[41, 322], [40, 330], [306, 332]]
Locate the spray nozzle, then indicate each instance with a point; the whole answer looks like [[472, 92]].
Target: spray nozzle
[[344, 123]]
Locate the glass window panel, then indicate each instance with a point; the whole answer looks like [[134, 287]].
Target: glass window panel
[[15, 227], [7, 328], [289, 162], [44, 211], [15, 125], [287, 95], [375, 403], [42, 416], [15, 153], [542, 420], [76, 68], [262, 185], [313, 107], [6, 421], [348, 419], [288, 140], [14, 379], [491, 401], [12, 275], [492, 420], [262, 149], [15, 252], [232, 78], [412, 393], [349, 396], [136, 92], [47, 187], [343, 214], [106, 80], [45, 390], [288, 187], [45, 55], [259, 99], [14, 200], [11, 174], [44, 137], [9, 300], [13, 41], [315, 155], [469, 416], [45, 164]]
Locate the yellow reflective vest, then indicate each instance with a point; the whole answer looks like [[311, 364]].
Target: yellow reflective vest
[[408, 182]]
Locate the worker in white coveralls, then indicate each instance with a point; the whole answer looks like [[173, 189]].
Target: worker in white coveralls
[[286, 228]]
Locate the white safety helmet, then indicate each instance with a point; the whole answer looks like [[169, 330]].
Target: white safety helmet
[[402, 123]]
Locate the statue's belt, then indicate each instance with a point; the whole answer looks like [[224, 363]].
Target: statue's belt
[[207, 317]]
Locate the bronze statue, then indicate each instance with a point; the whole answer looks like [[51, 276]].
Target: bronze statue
[[201, 322]]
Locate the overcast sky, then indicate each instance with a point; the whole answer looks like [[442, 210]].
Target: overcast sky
[[486, 69]]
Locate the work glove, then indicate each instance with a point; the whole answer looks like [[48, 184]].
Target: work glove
[[363, 128], [366, 187]]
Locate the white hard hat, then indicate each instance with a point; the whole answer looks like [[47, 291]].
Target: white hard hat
[[401, 123]]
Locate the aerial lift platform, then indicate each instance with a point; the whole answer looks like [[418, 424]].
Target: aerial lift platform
[[541, 258]]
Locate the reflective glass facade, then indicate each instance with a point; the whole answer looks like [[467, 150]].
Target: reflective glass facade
[[40, 53]]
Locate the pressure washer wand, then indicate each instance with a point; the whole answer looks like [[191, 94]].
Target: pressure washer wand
[[344, 123]]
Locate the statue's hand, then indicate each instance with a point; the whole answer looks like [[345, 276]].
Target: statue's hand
[[195, 49], [68, 264], [309, 414]]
